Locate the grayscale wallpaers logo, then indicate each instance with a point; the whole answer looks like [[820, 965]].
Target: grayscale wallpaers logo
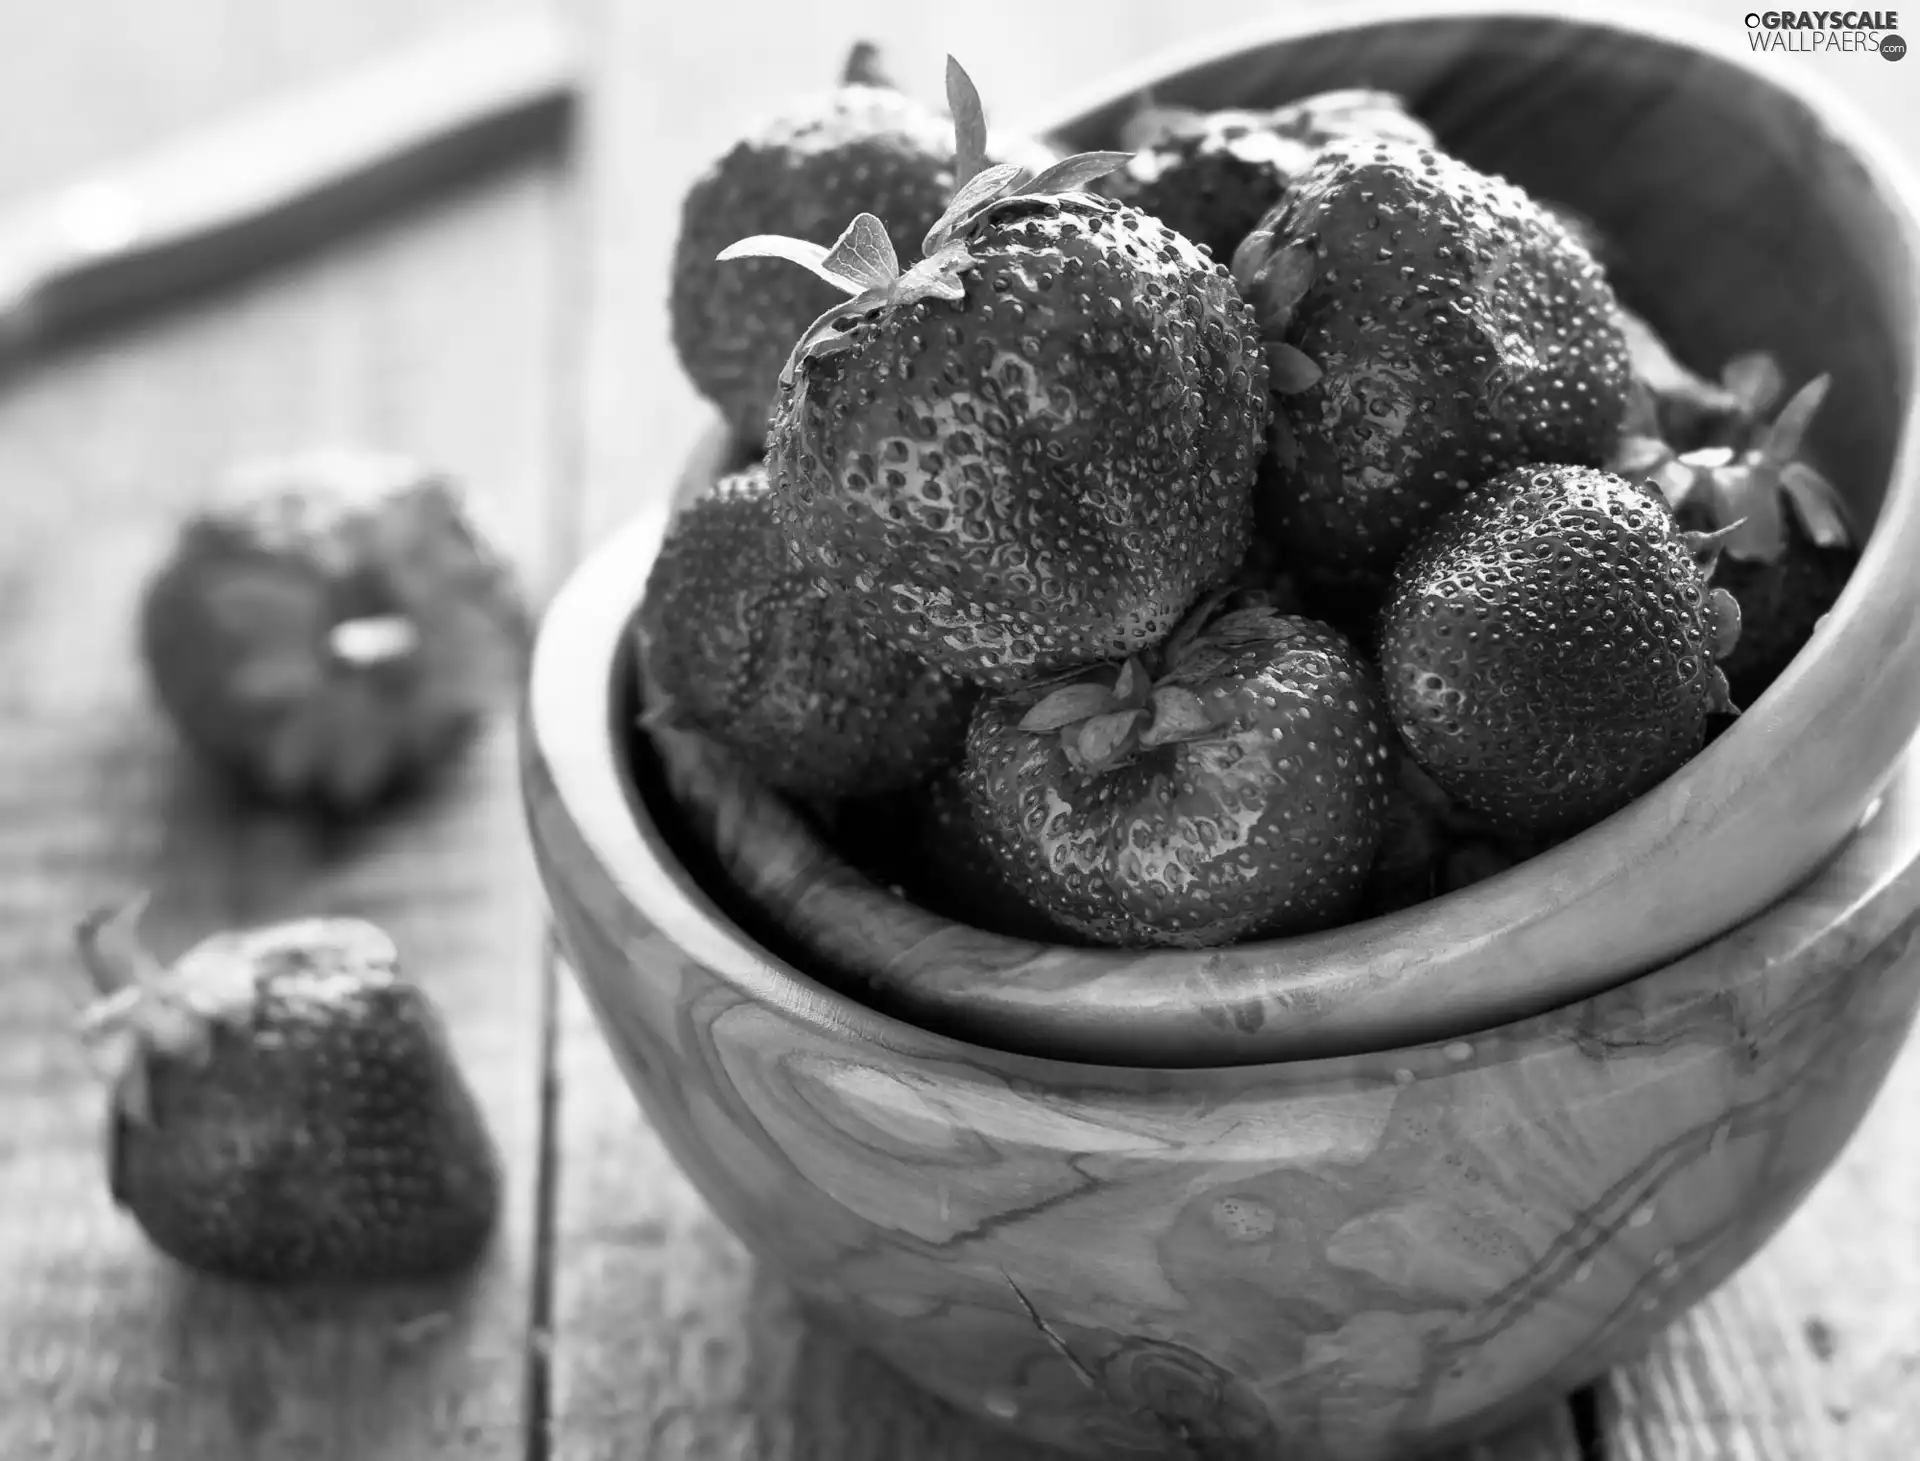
[[1817, 31]]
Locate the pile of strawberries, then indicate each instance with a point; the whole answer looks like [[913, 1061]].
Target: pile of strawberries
[[1273, 525]]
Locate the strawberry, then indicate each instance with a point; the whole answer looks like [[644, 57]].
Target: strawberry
[[927, 845], [739, 642], [863, 147], [1429, 326], [1211, 175], [332, 628], [1229, 784], [1788, 545], [285, 1107], [1035, 448], [1549, 647]]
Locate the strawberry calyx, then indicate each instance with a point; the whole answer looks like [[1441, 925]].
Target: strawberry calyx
[[1106, 715], [140, 1012], [1743, 489], [864, 68], [862, 262]]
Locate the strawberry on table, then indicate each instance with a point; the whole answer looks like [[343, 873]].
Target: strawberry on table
[[1210, 175], [1428, 326], [740, 643], [863, 147], [1230, 784], [333, 627], [285, 1106], [1035, 447], [1549, 647]]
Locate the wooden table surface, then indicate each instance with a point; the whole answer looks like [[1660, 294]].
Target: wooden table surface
[[515, 331]]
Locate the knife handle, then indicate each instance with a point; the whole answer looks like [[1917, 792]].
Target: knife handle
[[216, 203]]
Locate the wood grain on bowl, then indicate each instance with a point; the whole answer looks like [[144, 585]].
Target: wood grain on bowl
[[1746, 215], [1342, 1258]]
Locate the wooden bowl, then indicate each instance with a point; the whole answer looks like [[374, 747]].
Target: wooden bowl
[[1332, 1260], [1748, 215]]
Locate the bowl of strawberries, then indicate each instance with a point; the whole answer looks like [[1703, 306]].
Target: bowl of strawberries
[[1251, 800]]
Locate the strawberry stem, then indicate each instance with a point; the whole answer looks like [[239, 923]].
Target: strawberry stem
[[110, 947], [863, 68]]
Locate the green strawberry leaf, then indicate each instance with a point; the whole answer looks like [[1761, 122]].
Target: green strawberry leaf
[[863, 255], [1643, 414], [1131, 684], [1068, 706], [1817, 504], [1072, 174], [1707, 458], [1720, 694], [1290, 370], [1103, 739], [1243, 626], [809, 256], [1755, 381], [973, 195], [969, 124], [1636, 455], [935, 277], [1287, 157], [1780, 443], [1704, 548], [1178, 715], [1747, 499], [1154, 126], [1280, 284], [1188, 629], [1250, 258], [1677, 482], [1723, 614]]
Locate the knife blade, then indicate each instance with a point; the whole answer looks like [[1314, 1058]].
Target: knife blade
[[218, 202]]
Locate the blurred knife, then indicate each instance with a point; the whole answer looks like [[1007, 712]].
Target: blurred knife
[[218, 202]]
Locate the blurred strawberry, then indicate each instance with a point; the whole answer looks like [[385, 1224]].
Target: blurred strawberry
[[333, 628]]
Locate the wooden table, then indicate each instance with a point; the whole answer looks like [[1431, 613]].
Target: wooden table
[[515, 330]]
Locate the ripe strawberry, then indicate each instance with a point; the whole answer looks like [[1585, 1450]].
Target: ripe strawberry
[[1034, 449], [864, 147], [1211, 175], [1549, 647], [1228, 785], [928, 845], [285, 1108], [741, 643], [333, 628], [1430, 326], [1788, 546]]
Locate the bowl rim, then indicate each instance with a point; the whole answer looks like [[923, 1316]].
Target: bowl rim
[[1769, 741]]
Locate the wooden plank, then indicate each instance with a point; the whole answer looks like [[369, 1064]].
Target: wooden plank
[[1813, 1351], [668, 1341], [433, 335]]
